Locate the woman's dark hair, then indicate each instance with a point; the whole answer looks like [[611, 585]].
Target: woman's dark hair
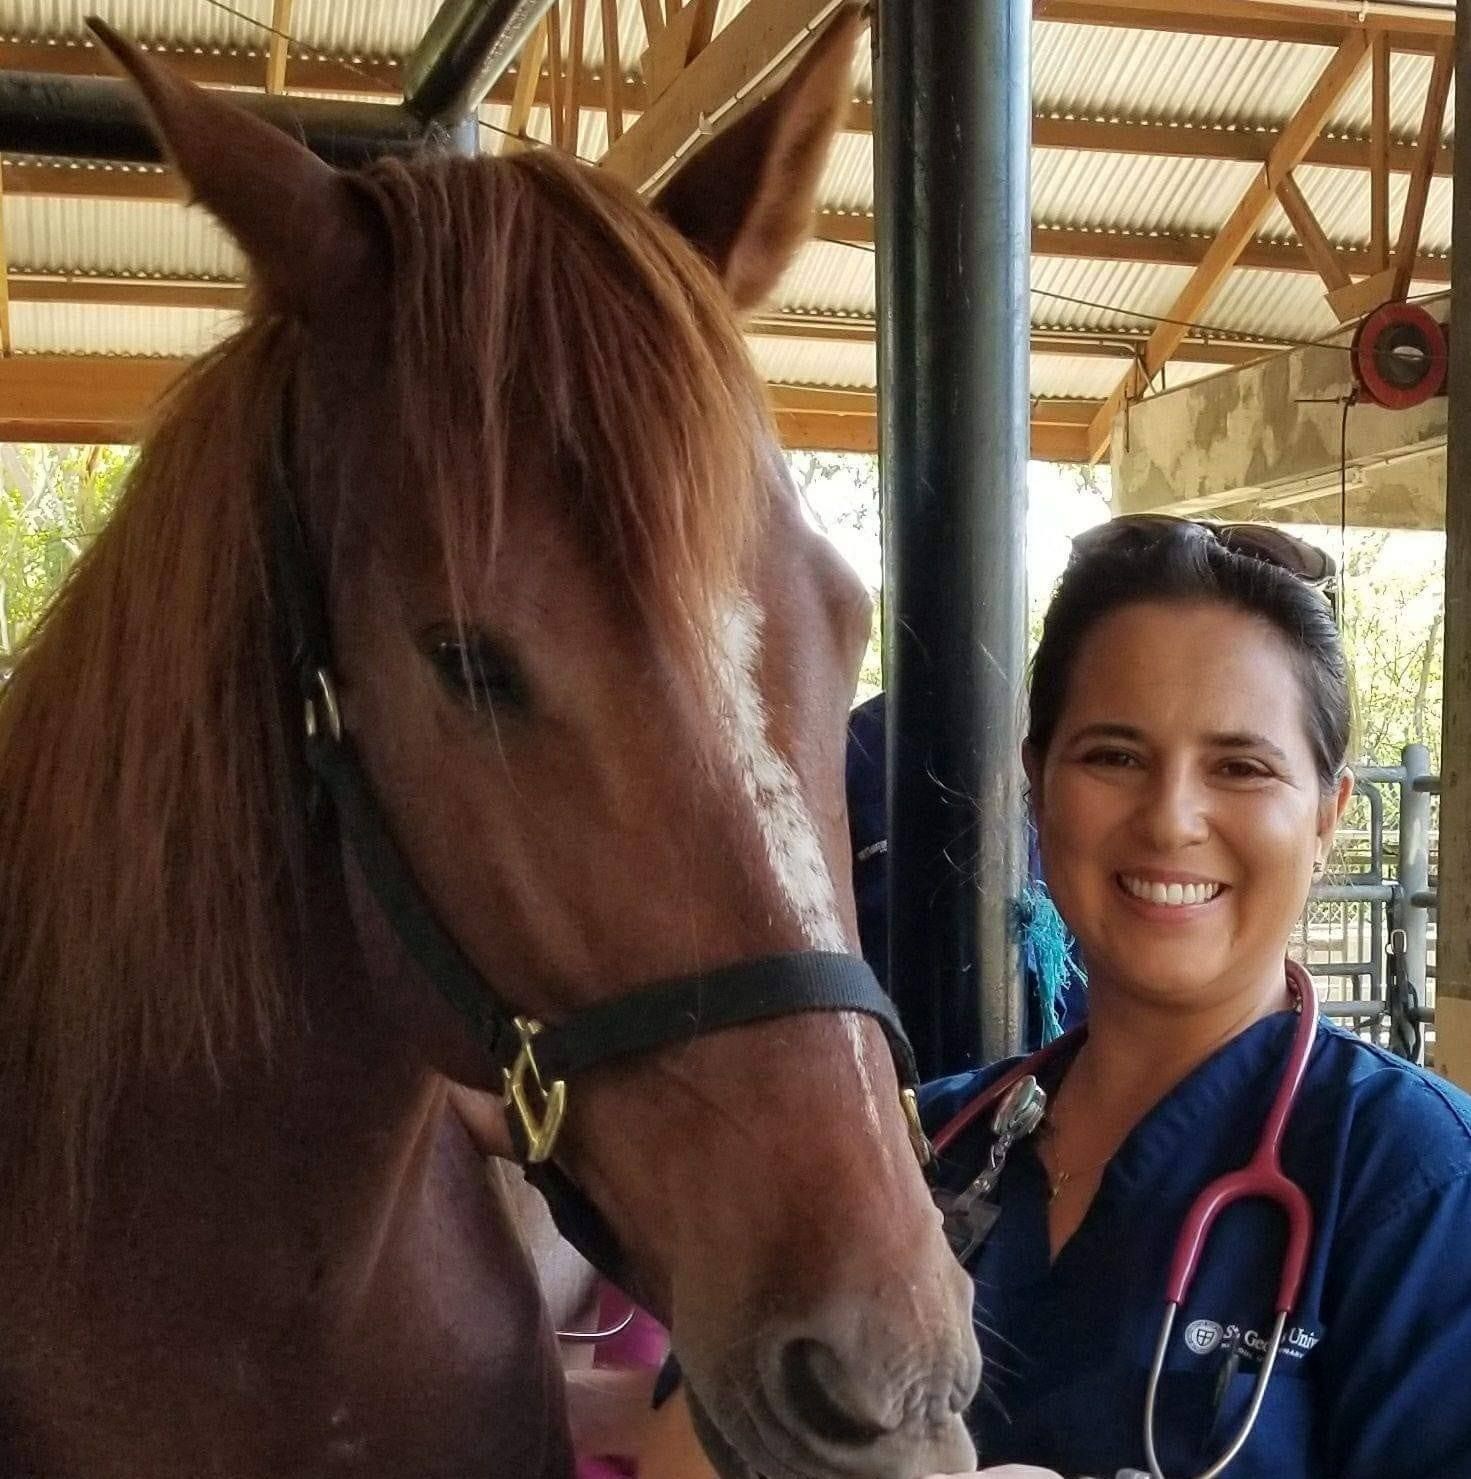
[[1187, 564]]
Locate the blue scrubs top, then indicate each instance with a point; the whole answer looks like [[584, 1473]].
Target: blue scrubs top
[[1374, 1378]]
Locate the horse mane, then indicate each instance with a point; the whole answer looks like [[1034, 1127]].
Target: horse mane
[[154, 845]]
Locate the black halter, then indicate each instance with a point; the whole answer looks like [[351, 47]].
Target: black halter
[[536, 1061]]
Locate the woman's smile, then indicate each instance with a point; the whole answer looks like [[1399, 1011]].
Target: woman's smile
[[1170, 896]]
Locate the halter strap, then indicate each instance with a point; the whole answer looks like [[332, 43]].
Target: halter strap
[[535, 1060]]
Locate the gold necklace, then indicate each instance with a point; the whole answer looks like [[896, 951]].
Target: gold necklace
[[1055, 1183]]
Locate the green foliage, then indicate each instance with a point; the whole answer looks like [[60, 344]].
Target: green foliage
[[53, 500], [1393, 624]]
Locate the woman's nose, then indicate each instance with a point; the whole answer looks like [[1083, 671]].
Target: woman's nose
[[1174, 812]]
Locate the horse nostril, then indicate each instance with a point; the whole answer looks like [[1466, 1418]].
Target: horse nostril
[[813, 1386]]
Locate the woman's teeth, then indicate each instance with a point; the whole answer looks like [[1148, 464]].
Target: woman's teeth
[[1170, 893]]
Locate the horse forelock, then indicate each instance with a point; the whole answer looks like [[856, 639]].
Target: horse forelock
[[581, 330], [153, 837]]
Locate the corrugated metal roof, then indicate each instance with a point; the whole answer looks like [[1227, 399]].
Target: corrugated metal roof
[[1097, 73], [148, 21], [1208, 81], [1078, 294], [1113, 72], [847, 182], [1285, 305], [829, 277], [1340, 200], [1093, 377], [814, 362], [135, 237], [70, 328], [1123, 192]]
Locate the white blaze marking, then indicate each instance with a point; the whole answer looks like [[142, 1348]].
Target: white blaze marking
[[792, 846]]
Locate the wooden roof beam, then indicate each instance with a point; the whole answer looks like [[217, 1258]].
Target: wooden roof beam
[[1315, 244], [1408, 28], [1224, 252], [1353, 300], [1157, 248], [735, 71], [64, 398], [1174, 140], [368, 78], [276, 52], [4, 279], [612, 71], [1379, 144], [1442, 73], [528, 78]]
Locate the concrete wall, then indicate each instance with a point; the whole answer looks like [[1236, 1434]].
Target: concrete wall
[[1264, 441]]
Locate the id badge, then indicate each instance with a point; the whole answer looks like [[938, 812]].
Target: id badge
[[968, 1221]]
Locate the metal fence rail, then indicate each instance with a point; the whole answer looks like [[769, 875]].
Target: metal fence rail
[[1368, 931]]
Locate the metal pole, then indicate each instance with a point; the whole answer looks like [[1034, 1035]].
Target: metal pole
[[1453, 919], [467, 47], [1414, 861], [952, 146], [103, 118]]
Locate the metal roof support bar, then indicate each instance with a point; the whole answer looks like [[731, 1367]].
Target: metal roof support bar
[[952, 117], [465, 51], [102, 118]]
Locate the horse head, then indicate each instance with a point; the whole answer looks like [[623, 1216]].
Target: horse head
[[597, 670]]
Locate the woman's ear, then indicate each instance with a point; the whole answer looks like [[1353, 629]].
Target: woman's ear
[[1330, 814]]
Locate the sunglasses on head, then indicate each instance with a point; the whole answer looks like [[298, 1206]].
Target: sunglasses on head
[[1309, 564]]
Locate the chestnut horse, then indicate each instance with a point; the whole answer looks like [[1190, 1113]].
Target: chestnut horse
[[597, 671]]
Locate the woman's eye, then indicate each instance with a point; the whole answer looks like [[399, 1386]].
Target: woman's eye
[[1110, 759], [478, 672], [1244, 770]]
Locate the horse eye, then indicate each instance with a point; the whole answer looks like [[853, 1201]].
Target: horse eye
[[477, 671]]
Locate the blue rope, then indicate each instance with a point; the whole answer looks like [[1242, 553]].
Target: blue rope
[[1047, 954]]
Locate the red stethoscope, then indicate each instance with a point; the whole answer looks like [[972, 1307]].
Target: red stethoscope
[[1018, 1103]]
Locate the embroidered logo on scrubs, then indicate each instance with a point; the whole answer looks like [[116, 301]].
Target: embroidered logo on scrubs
[[1202, 1337]]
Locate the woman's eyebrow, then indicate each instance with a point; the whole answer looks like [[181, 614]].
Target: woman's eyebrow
[[1105, 730], [1245, 739]]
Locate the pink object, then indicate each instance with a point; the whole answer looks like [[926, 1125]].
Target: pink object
[[640, 1346]]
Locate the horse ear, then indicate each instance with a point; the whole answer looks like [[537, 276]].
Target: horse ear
[[299, 221], [746, 199]]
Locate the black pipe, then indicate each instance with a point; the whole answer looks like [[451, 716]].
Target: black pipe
[[952, 154], [468, 45], [103, 118]]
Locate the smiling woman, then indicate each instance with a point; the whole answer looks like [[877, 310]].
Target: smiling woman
[[1189, 724]]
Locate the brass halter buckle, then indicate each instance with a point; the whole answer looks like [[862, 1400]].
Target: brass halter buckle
[[539, 1108], [923, 1150], [330, 718]]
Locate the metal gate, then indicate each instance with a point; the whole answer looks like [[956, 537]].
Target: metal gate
[[1368, 933]]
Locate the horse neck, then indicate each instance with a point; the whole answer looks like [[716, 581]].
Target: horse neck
[[318, 1147], [326, 1225]]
